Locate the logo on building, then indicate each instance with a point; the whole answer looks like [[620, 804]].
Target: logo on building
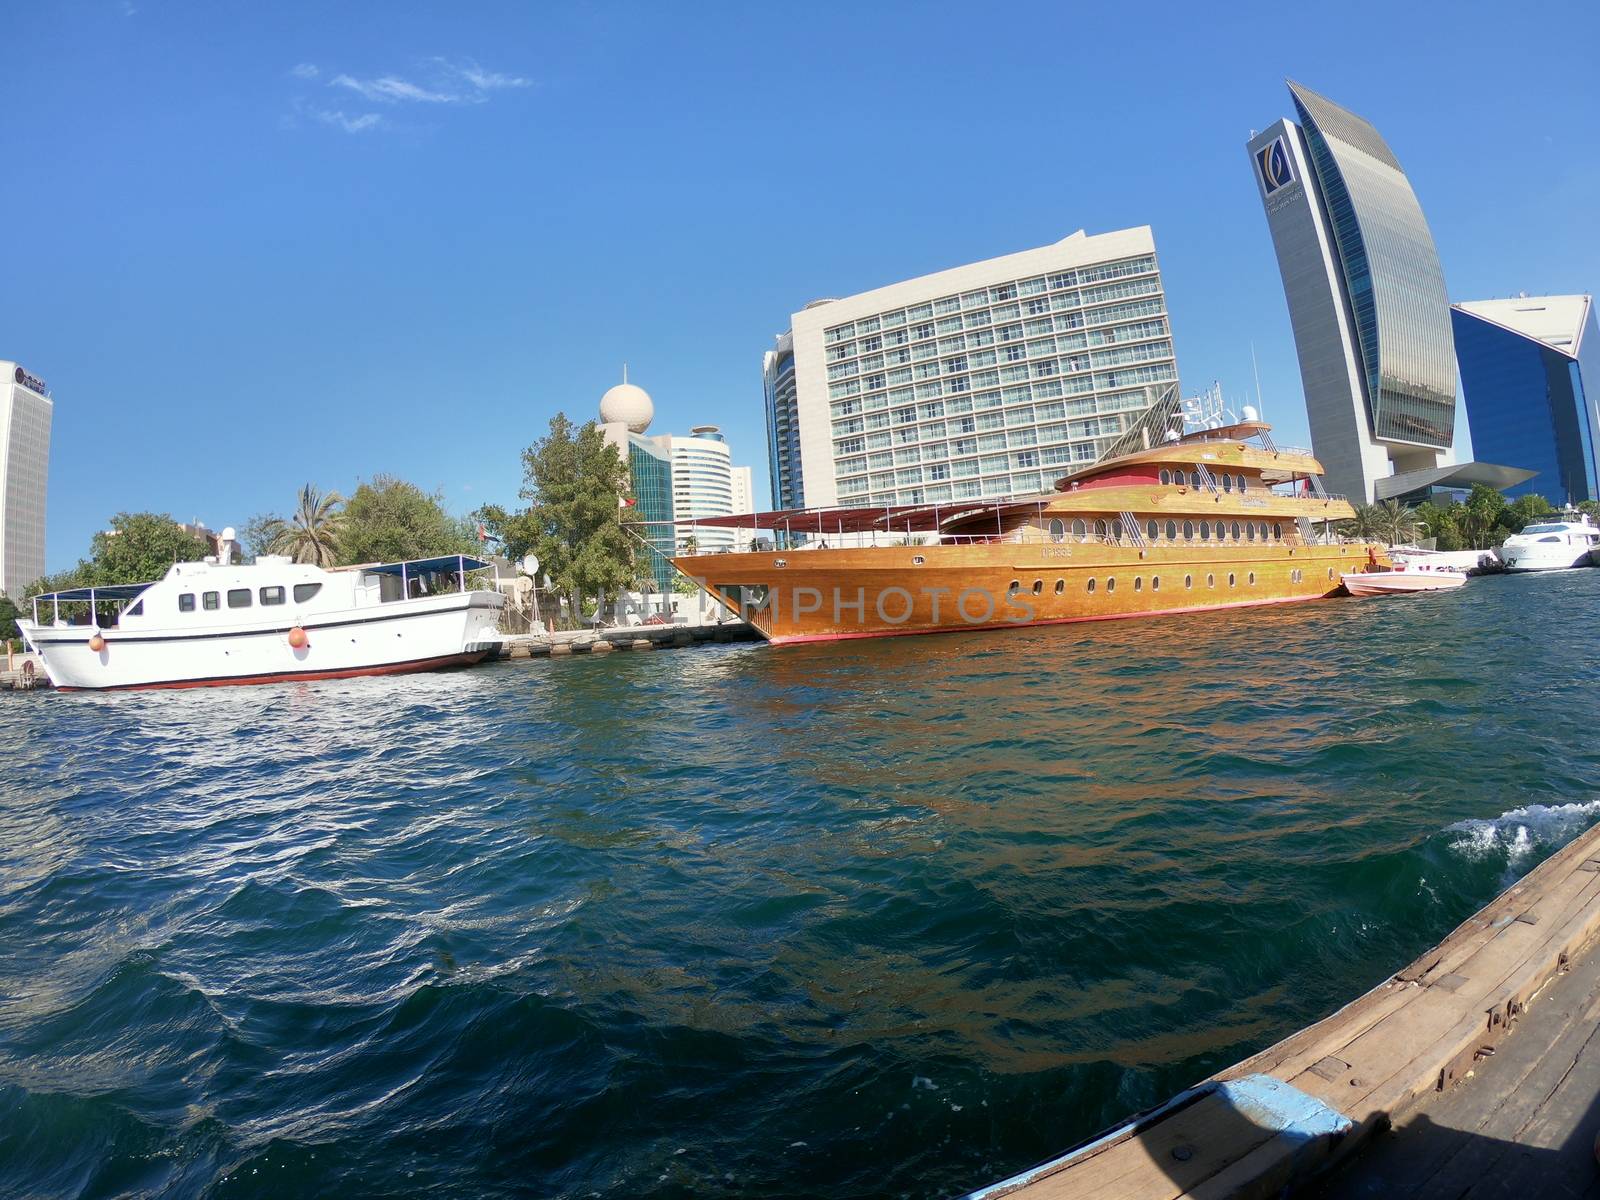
[[32, 382], [1273, 163]]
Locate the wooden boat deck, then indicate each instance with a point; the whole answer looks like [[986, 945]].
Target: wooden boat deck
[[1279, 1118]]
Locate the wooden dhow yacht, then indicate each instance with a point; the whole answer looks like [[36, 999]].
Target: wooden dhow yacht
[[1217, 518]]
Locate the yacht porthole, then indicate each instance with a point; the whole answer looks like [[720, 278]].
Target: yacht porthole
[[1252, 579], [1138, 583], [1089, 587], [1155, 583], [1188, 581], [1058, 529], [1230, 579], [1061, 586], [1111, 584], [1211, 581]]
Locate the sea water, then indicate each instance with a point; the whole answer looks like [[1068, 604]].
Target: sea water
[[875, 918]]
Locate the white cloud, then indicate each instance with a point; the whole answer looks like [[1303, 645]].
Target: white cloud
[[445, 81], [391, 89], [484, 81], [350, 124]]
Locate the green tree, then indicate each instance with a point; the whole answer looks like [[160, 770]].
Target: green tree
[[1397, 524], [1439, 523], [1366, 524], [138, 548], [311, 535], [390, 520], [576, 521], [1525, 511], [1592, 507], [1482, 513], [8, 620]]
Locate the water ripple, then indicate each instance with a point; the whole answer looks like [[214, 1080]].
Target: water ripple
[[871, 919]]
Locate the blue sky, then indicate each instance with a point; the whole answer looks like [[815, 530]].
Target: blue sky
[[253, 245]]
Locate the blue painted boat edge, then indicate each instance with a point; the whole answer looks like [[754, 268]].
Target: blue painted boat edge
[[1267, 1101]]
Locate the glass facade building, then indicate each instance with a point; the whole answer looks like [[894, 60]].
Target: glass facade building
[[984, 381], [1530, 369], [1366, 294], [650, 472]]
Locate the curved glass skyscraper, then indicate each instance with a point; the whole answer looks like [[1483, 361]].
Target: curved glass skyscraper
[[1366, 295]]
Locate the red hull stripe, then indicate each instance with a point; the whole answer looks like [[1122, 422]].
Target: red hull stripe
[[399, 668], [790, 640]]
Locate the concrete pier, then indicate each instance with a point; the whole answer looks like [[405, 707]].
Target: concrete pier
[[1481, 1055], [622, 637]]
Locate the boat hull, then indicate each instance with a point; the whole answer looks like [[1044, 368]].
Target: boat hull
[[415, 635], [1400, 583], [836, 595]]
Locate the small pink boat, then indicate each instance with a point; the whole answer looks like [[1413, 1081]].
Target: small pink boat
[[1413, 577]]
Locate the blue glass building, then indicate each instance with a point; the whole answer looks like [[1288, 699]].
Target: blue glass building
[[1530, 368]]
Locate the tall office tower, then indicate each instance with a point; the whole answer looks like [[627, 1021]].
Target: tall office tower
[[1530, 368], [988, 380], [1366, 299], [25, 412]]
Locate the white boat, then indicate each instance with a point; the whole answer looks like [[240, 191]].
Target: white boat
[[1414, 577], [1552, 545], [211, 623]]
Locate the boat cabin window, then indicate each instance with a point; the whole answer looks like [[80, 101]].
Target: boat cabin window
[[1101, 529], [304, 591], [1166, 475], [136, 611], [1138, 583], [1089, 587], [1552, 538], [1058, 529], [272, 595], [238, 597], [1116, 528], [1261, 528], [213, 601], [1172, 531], [186, 602], [1211, 581], [1188, 581], [1155, 583], [1111, 584], [1038, 586], [1061, 586], [1014, 588], [1250, 532], [1277, 532], [1227, 482], [1230, 579], [1080, 530], [1241, 483], [1205, 531], [1153, 530], [1188, 531], [1236, 531], [1194, 480]]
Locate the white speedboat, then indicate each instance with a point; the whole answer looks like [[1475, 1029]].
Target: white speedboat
[[1413, 577], [212, 623], [1552, 545]]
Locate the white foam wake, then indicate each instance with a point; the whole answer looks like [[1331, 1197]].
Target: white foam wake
[[1516, 834]]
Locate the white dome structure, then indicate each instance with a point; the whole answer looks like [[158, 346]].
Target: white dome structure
[[628, 405]]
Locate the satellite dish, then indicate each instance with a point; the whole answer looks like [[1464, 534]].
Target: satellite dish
[[524, 585], [530, 564]]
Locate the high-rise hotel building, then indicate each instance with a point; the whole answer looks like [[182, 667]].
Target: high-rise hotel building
[[987, 380], [25, 412]]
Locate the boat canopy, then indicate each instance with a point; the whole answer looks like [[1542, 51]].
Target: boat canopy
[[424, 566], [110, 591]]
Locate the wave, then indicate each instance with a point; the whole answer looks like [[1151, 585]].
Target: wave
[[1516, 834]]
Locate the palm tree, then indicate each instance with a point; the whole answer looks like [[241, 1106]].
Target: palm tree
[[311, 535], [1366, 524], [1396, 523]]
